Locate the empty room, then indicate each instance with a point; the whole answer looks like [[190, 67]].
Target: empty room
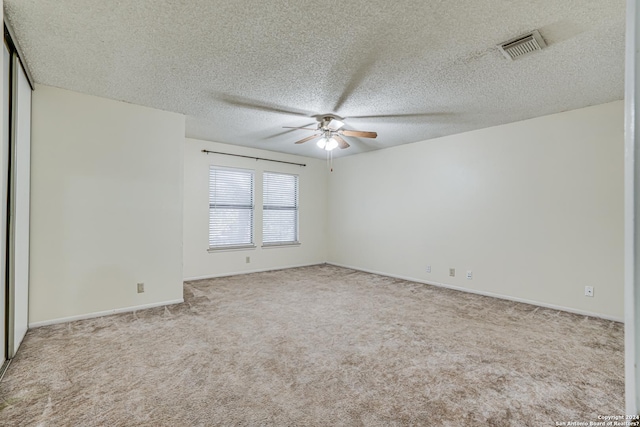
[[318, 213]]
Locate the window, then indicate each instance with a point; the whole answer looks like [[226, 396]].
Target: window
[[230, 208], [280, 209]]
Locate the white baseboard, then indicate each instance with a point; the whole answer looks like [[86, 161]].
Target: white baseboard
[[260, 270], [487, 294], [103, 313]]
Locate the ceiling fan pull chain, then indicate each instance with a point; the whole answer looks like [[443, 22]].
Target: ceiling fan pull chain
[[330, 161]]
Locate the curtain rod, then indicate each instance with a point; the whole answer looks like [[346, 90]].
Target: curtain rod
[[255, 158]]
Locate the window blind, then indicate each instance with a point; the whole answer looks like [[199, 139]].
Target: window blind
[[280, 208], [230, 207]]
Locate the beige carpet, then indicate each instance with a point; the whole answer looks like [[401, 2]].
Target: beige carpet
[[319, 346]]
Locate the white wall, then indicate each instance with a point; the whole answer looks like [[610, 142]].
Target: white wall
[[106, 205], [533, 208], [199, 263]]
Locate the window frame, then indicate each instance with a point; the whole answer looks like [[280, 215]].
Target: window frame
[[252, 207], [296, 209]]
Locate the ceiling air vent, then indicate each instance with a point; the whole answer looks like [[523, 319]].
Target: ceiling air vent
[[522, 45]]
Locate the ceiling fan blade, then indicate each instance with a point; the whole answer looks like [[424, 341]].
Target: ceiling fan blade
[[402, 116], [291, 127], [359, 133], [341, 142], [335, 124], [285, 132], [239, 101], [357, 77], [303, 140]]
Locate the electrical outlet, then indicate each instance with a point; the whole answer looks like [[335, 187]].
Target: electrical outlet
[[452, 272], [469, 274], [428, 269], [588, 291], [248, 260], [140, 288]]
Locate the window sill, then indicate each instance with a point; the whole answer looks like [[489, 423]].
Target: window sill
[[231, 248], [280, 245]]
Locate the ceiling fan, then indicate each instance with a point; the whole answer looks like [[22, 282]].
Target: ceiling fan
[[327, 126], [330, 133]]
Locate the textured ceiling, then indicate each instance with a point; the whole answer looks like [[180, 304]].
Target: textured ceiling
[[240, 70]]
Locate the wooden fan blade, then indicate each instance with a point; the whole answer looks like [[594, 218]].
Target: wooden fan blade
[[341, 142], [359, 133], [291, 127], [303, 140], [402, 116], [239, 101], [359, 74], [275, 135]]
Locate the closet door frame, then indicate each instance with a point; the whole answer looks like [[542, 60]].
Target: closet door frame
[[14, 187], [18, 208]]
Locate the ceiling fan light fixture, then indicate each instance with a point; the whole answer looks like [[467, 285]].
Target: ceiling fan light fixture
[[331, 137], [332, 144]]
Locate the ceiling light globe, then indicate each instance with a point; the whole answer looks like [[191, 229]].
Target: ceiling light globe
[[322, 143], [331, 144]]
